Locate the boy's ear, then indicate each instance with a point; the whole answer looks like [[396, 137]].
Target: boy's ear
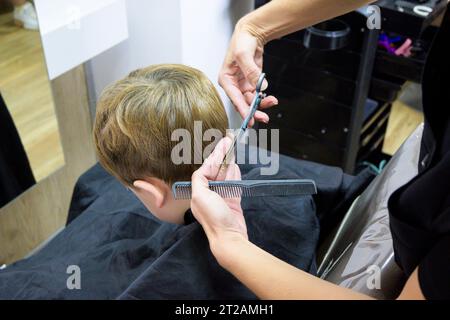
[[151, 189]]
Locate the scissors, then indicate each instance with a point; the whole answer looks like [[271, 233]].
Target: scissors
[[259, 96]]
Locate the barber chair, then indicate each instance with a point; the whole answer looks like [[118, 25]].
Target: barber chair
[[361, 255]]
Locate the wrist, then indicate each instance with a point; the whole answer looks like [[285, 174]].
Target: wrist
[[224, 247], [247, 25]]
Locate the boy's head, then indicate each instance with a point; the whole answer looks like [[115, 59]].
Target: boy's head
[[135, 119]]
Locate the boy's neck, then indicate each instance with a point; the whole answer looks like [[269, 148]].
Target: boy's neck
[[176, 209]]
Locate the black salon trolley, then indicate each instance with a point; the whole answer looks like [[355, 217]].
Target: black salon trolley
[[335, 101]]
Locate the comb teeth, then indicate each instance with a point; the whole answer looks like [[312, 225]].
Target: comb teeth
[[182, 190], [229, 190], [250, 188]]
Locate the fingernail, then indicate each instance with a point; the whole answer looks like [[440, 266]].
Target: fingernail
[[265, 84]]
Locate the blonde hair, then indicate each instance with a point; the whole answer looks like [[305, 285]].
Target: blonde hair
[[136, 116]]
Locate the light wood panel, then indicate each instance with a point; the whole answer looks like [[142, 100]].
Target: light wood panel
[[403, 120], [26, 90], [40, 211]]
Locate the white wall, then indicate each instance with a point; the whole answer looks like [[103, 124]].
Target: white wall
[[74, 31], [206, 28], [153, 37], [192, 32]]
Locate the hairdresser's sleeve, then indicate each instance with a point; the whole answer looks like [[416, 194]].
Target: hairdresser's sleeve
[[434, 271]]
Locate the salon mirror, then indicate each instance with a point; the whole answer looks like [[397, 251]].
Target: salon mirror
[[30, 146]]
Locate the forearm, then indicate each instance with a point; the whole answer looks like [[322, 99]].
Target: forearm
[[281, 17], [271, 278]]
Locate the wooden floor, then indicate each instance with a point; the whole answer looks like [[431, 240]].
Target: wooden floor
[[26, 90]]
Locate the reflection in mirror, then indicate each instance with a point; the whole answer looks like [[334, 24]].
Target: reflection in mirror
[[30, 147]]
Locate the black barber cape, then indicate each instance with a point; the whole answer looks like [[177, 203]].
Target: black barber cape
[[123, 252], [420, 210]]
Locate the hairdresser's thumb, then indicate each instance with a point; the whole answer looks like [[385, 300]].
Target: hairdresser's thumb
[[199, 183]]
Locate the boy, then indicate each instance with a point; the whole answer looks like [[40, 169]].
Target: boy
[[121, 250], [133, 129]]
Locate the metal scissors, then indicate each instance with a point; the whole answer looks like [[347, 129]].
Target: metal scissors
[[259, 96]]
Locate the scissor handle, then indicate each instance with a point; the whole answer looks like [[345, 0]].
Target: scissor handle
[[255, 103], [260, 82], [253, 107]]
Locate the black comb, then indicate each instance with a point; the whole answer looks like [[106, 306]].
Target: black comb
[[250, 188]]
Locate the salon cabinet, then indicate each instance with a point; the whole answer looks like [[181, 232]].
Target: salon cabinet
[[334, 105], [322, 94]]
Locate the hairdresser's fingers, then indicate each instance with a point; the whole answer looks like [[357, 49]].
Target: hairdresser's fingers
[[242, 101], [229, 78], [249, 97], [267, 102], [235, 94], [246, 86], [218, 217], [233, 172], [201, 199], [211, 166], [234, 77], [245, 57], [199, 182], [227, 172], [259, 116]]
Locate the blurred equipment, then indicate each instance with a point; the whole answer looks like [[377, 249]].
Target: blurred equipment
[[336, 81], [25, 16], [322, 77], [328, 35]]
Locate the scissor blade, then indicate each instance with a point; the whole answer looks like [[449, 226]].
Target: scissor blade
[[237, 137]]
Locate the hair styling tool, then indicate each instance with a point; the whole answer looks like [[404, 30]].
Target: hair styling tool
[[250, 188], [259, 95]]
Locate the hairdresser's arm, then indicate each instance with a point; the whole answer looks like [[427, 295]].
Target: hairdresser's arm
[[271, 278], [265, 275], [243, 61]]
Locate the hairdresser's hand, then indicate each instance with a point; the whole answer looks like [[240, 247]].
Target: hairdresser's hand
[[241, 70], [222, 219]]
